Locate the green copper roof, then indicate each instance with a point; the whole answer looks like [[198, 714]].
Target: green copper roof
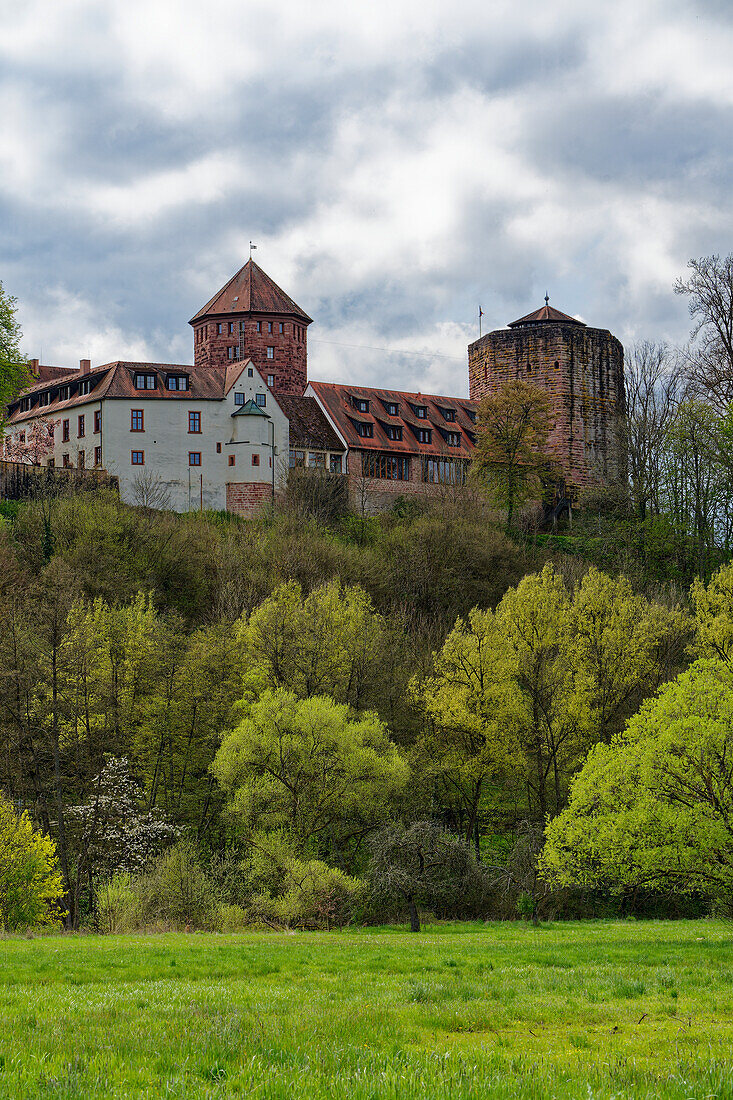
[[250, 409]]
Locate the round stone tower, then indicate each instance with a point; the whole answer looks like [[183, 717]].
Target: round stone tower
[[582, 370], [252, 318]]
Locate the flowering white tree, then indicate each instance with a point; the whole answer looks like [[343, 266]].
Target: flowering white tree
[[33, 444]]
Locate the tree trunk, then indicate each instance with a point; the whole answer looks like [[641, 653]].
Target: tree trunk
[[414, 915]]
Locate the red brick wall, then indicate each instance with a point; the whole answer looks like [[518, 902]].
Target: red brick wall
[[377, 494], [290, 364], [248, 497], [582, 371]]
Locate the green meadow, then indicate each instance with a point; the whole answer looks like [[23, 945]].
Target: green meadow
[[592, 1009]]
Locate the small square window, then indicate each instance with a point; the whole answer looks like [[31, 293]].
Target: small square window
[[137, 458], [261, 400], [238, 398], [231, 459], [255, 460], [194, 458]]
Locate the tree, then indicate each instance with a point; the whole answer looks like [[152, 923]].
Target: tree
[[13, 368], [423, 864], [33, 444], [709, 288], [654, 388], [310, 767], [30, 883], [330, 642], [511, 444], [654, 809]]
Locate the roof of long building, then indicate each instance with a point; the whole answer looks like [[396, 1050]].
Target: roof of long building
[[250, 290], [444, 416], [309, 428]]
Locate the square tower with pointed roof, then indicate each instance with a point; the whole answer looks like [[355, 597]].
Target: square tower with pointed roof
[[582, 371], [252, 318]]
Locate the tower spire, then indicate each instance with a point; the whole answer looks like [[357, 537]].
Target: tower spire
[[547, 299]]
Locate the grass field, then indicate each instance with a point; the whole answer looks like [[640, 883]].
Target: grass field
[[461, 1011]]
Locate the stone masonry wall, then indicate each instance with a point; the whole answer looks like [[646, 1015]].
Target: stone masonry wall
[[248, 497], [289, 367], [582, 371]]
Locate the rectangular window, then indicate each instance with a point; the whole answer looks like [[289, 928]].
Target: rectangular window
[[194, 458], [444, 471], [449, 415], [255, 460], [269, 326], [219, 328], [297, 458], [421, 411], [52, 462], [194, 423], [136, 420], [144, 381], [66, 461], [65, 431], [261, 400], [282, 327], [392, 408], [453, 439], [97, 420], [177, 382], [394, 432], [97, 456], [390, 467], [231, 460], [250, 372], [259, 326], [218, 448], [230, 353], [317, 461], [270, 353], [241, 326], [366, 431], [80, 427], [231, 327], [238, 398], [80, 456], [137, 458], [21, 437], [271, 380], [335, 464], [361, 404]]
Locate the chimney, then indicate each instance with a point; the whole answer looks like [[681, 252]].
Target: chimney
[[85, 365], [33, 365]]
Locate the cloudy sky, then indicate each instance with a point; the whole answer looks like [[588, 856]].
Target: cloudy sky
[[396, 162]]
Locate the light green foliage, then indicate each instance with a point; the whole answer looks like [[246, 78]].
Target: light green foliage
[[309, 766], [518, 695], [327, 643], [176, 890], [713, 606], [608, 1011], [655, 807], [297, 893], [30, 883], [13, 368]]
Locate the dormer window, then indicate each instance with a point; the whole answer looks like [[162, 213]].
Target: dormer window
[[470, 414], [360, 404], [64, 393], [366, 431], [421, 411], [453, 439], [45, 398], [392, 408], [449, 415], [394, 432], [144, 381], [177, 382], [85, 387], [424, 435]]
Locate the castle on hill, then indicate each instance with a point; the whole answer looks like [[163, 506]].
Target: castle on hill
[[224, 433]]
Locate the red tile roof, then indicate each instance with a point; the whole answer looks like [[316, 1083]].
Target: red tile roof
[[546, 314], [251, 290], [337, 400]]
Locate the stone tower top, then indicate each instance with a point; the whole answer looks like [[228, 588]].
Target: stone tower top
[[251, 317]]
